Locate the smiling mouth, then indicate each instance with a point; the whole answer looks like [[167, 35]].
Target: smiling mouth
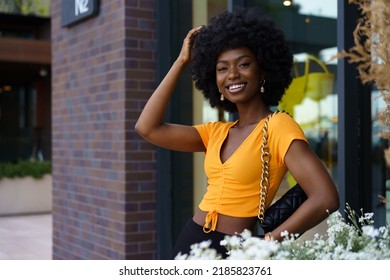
[[235, 87]]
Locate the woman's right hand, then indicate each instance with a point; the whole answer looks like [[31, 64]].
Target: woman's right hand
[[185, 53], [151, 125]]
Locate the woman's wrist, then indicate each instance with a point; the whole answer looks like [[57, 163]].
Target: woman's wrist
[[181, 62]]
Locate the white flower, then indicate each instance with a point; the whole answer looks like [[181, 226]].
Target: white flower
[[223, 242], [342, 241], [370, 231], [366, 218], [284, 233], [238, 255], [246, 234], [205, 244], [181, 256], [254, 248], [233, 241]]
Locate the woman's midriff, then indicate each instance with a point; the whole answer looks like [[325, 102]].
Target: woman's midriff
[[227, 224]]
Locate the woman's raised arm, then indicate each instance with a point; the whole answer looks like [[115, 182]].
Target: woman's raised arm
[[150, 124]]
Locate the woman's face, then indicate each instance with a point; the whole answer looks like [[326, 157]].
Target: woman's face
[[238, 75]]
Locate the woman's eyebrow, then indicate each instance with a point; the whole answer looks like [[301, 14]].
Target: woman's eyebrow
[[237, 58]]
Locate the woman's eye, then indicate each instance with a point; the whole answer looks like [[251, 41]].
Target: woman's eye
[[220, 69], [244, 65]]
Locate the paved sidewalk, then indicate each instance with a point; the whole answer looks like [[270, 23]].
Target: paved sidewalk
[[26, 237]]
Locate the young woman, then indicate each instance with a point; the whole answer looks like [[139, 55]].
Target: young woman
[[242, 64]]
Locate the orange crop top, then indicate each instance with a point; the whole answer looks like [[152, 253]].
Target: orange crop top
[[234, 186]]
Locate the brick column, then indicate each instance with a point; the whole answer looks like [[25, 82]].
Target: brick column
[[104, 189]]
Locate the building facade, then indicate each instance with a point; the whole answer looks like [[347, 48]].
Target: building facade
[[25, 67]]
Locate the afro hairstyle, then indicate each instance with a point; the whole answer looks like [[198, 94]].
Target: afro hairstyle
[[242, 28]]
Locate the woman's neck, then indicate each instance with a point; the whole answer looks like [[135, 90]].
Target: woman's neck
[[252, 115]]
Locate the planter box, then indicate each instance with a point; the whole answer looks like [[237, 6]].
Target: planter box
[[25, 195]]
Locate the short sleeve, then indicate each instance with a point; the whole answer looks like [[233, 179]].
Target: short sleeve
[[204, 132], [283, 130]]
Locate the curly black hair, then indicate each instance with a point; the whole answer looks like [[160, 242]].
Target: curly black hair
[[242, 28]]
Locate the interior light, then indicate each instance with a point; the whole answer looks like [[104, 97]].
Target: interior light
[[43, 72], [287, 3], [7, 88]]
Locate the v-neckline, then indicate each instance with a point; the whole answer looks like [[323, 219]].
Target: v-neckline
[[239, 146]]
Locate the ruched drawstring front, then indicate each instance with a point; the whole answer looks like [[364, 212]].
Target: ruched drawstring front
[[211, 218]]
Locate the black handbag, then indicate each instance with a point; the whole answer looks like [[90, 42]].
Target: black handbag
[[285, 206], [280, 211]]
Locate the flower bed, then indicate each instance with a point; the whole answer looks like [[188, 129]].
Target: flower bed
[[358, 240], [25, 195]]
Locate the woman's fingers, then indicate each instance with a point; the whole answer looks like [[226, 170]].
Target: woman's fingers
[[188, 42]]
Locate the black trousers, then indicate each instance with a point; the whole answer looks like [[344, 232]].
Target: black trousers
[[193, 233]]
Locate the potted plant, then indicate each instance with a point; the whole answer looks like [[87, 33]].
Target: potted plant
[[25, 187], [371, 52]]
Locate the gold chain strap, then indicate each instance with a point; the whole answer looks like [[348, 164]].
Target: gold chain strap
[[265, 157]]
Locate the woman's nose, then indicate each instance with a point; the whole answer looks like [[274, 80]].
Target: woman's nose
[[233, 73]]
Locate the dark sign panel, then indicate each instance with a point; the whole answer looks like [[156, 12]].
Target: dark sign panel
[[74, 11]]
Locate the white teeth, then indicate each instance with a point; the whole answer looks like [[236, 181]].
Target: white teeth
[[236, 86]]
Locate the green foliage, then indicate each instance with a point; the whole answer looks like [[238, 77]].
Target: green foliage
[[26, 7], [24, 168]]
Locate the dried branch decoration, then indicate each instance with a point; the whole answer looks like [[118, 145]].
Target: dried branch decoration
[[371, 51]]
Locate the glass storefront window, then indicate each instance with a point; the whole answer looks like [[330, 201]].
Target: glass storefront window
[[380, 160], [311, 30], [15, 122]]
